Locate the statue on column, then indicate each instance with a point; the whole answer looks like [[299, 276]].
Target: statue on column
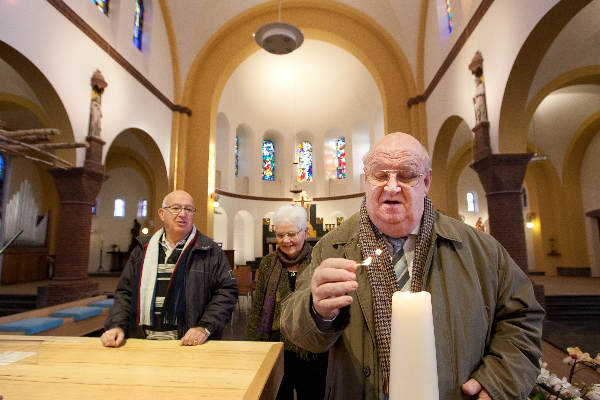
[[476, 67], [98, 86]]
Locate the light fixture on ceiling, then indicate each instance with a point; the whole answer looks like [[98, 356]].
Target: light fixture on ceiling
[[279, 37]]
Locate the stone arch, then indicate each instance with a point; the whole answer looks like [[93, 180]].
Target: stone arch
[[53, 112], [461, 159], [515, 114], [325, 20], [572, 186], [545, 200], [134, 148], [439, 191]]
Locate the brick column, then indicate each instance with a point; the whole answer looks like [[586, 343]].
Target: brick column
[[502, 178], [77, 189]]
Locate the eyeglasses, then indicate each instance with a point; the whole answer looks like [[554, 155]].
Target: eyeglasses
[[291, 235], [403, 178], [176, 209]]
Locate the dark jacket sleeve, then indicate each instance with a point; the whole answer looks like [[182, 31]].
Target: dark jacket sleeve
[[511, 363], [120, 313], [217, 312], [258, 298]]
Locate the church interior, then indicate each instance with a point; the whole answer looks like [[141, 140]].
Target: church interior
[[105, 106]]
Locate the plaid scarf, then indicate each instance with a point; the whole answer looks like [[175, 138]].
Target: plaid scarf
[[383, 279]]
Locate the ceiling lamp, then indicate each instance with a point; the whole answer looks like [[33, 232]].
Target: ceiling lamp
[[278, 37]]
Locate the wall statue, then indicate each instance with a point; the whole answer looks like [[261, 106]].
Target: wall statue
[[476, 67], [98, 86]]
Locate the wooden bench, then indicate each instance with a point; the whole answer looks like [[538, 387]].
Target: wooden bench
[[70, 325]]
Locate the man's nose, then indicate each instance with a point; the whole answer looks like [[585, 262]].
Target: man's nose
[[392, 184]]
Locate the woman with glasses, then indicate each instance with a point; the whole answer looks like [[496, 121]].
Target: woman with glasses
[[303, 371]]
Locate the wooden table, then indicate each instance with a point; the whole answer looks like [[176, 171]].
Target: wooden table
[[80, 368]]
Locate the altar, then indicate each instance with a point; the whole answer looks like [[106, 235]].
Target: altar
[[81, 368]]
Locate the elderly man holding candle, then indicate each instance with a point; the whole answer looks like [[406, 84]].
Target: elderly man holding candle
[[481, 326]]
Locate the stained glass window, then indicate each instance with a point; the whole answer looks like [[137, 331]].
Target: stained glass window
[[268, 157], [305, 173], [237, 155], [102, 5], [340, 156], [138, 23], [449, 13]]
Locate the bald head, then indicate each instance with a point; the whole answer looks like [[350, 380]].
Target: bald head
[[179, 195], [398, 147]]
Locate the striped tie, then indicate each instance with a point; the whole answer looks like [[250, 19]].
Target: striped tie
[[400, 262]]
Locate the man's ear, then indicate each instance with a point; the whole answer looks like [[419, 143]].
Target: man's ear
[[161, 214], [427, 180]]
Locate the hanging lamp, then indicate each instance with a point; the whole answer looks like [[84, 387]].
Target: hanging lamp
[[279, 37]]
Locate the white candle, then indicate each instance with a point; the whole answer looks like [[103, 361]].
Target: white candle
[[413, 366]]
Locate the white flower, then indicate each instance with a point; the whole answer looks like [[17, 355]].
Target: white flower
[[593, 392]]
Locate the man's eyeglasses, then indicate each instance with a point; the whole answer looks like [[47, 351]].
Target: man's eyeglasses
[[176, 209], [403, 178], [291, 235]]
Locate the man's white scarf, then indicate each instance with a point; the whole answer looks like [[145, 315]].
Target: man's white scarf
[[149, 273]]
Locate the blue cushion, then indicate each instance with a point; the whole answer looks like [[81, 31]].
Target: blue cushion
[[78, 313], [106, 303], [31, 326]]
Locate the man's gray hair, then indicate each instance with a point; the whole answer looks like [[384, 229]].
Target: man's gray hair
[[164, 202], [291, 213]]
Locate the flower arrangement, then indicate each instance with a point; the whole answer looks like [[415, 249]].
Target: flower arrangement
[[549, 386]]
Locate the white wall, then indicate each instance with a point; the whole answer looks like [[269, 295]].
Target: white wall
[[68, 58], [107, 230], [453, 94], [302, 96]]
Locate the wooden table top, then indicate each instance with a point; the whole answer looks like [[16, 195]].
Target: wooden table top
[[80, 368]]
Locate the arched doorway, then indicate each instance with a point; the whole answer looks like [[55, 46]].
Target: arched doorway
[[324, 20]]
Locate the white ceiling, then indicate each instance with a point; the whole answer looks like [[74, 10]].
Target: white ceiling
[[316, 88]]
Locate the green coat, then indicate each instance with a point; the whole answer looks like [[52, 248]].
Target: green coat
[[487, 322]]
